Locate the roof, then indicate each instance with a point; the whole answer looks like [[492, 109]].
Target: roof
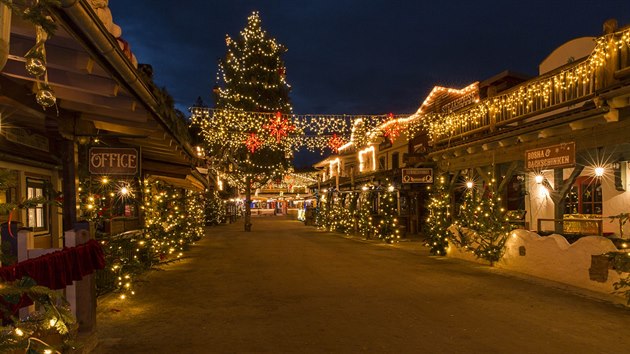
[[101, 95]]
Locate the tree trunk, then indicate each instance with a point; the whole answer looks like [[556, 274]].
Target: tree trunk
[[248, 204]]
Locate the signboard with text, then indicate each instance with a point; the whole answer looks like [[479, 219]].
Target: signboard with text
[[417, 175], [113, 161], [554, 156]]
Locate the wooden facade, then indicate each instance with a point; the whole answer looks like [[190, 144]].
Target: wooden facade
[[103, 99], [481, 133]]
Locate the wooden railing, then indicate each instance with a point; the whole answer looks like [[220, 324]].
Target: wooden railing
[[574, 226], [569, 85]]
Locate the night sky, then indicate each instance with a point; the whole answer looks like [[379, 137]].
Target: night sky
[[359, 56]]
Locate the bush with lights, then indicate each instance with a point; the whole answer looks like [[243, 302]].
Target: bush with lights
[[215, 209], [483, 224], [52, 318], [173, 219], [387, 228], [363, 213], [435, 228]]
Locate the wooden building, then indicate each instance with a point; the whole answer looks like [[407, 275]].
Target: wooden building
[[555, 146], [95, 95]]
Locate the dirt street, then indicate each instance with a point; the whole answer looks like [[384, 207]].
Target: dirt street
[[287, 288]]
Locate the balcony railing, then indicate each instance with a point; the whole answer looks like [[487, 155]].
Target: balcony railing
[[569, 85]]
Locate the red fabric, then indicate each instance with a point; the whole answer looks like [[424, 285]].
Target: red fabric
[[58, 269]]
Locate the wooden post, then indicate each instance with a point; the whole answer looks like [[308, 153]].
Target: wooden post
[[248, 204], [558, 205], [70, 182]]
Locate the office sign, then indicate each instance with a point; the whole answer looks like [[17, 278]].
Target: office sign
[[554, 156], [417, 175], [113, 161]]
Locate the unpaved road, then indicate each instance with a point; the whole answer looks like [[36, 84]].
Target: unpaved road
[[287, 288]]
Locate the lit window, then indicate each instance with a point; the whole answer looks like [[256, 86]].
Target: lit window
[[36, 217]]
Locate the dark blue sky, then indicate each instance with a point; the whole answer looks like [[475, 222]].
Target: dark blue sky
[[359, 56]]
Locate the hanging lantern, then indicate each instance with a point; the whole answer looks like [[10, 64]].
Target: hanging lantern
[[45, 97]]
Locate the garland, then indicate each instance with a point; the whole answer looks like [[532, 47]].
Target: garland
[[49, 319]]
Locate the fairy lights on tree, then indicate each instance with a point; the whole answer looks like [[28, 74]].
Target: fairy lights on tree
[[482, 225], [387, 228], [438, 221]]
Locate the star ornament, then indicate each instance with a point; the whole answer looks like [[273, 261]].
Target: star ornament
[[335, 142], [279, 127], [253, 142]]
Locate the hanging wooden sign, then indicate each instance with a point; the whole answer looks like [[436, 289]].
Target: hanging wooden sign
[[113, 161], [417, 175], [554, 156]]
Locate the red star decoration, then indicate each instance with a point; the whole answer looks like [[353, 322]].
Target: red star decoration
[[253, 142], [393, 129], [335, 142], [279, 127]]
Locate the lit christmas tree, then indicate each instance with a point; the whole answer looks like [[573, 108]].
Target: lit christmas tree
[[215, 209], [365, 221], [483, 224], [438, 221], [253, 73], [387, 229], [253, 149]]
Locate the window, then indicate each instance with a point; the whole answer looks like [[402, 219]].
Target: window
[[381, 163], [585, 197], [36, 217], [395, 161]]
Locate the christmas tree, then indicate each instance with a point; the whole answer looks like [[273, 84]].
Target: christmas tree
[[215, 209], [253, 72], [484, 227], [250, 149], [387, 229], [437, 223]]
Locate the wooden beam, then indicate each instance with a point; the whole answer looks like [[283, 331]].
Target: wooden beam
[[562, 187], [484, 175], [106, 113], [121, 103], [57, 77], [58, 56], [120, 126], [453, 180], [508, 175]]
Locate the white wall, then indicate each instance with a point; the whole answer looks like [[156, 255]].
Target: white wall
[[614, 203], [552, 258], [538, 202], [572, 50]]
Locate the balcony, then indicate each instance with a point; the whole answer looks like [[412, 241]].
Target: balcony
[[589, 84]]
